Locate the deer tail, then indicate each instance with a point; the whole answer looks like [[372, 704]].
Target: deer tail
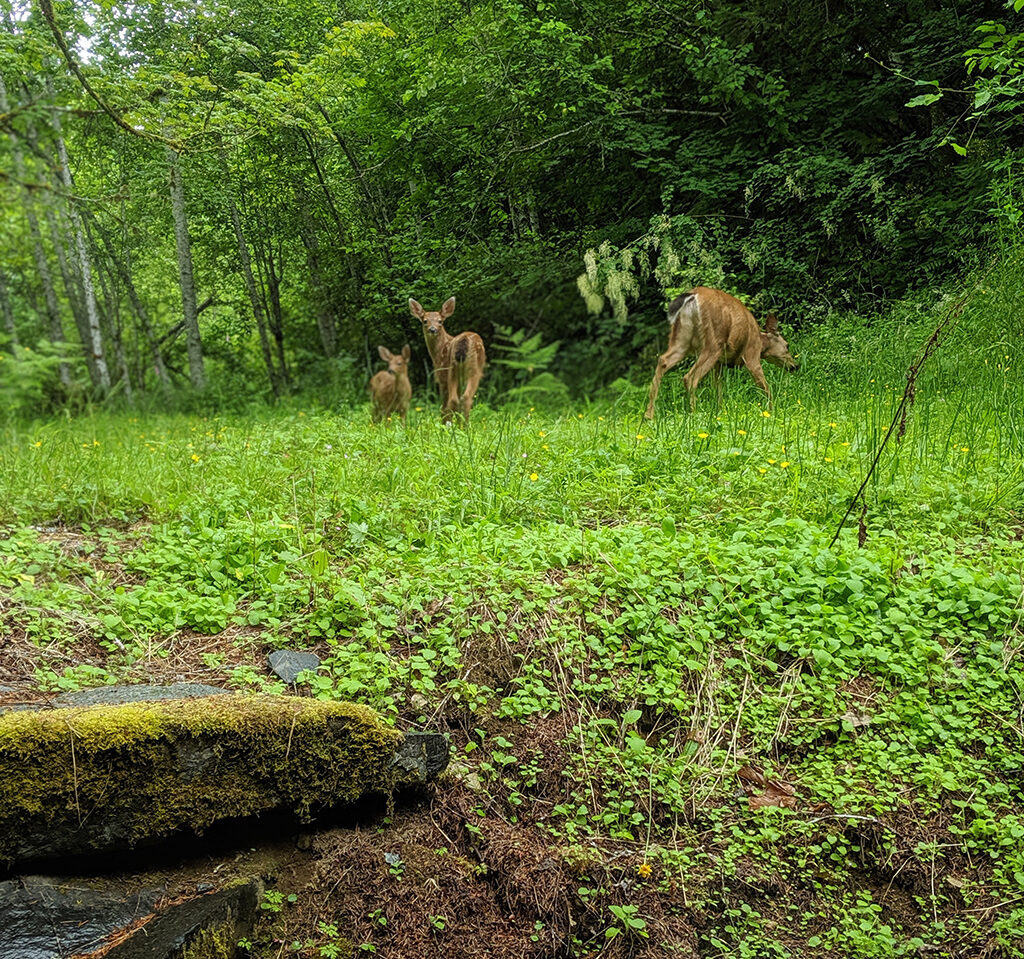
[[461, 351], [677, 305]]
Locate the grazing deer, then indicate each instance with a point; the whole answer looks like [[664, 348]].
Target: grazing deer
[[458, 360], [390, 390], [720, 331]]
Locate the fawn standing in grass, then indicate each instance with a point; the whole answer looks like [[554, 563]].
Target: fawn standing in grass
[[458, 360], [390, 390], [720, 331]]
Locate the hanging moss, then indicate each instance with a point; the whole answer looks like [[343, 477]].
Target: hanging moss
[[76, 780]]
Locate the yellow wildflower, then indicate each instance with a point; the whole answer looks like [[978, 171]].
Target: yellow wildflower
[[784, 465], [742, 432], [765, 413], [38, 443], [534, 477], [644, 870], [833, 425], [771, 462], [847, 443], [195, 457], [762, 470], [702, 436], [828, 459]]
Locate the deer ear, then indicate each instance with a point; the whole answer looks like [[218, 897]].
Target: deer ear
[[449, 307], [406, 352], [415, 309], [771, 323], [385, 353]]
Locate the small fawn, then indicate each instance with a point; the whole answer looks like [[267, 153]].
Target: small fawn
[[390, 389], [458, 360], [720, 331]]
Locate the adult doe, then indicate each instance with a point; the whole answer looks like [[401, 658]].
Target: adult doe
[[720, 331], [458, 360], [390, 389]]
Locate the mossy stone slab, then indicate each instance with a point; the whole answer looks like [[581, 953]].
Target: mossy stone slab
[[87, 779]]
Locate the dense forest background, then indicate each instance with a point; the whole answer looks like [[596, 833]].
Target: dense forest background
[[237, 201]]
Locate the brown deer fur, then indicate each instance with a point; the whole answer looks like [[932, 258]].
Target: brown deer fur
[[390, 390], [720, 331], [458, 360]]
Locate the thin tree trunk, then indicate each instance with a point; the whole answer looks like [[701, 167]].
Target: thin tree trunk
[[95, 338], [193, 342], [55, 323], [138, 307], [72, 286], [277, 317], [324, 318], [113, 314], [8, 313], [254, 297]]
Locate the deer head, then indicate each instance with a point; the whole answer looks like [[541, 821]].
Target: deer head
[[398, 363], [774, 349], [432, 320]]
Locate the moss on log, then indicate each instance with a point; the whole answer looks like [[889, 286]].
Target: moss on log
[[109, 777]]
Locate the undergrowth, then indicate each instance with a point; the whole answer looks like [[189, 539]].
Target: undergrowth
[[637, 634]]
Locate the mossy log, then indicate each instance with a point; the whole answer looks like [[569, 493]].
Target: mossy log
[[82, 780]]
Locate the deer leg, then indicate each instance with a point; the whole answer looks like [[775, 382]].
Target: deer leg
[[453, 399], [758, 374], [666, 361], [472, 384], [705, 363]]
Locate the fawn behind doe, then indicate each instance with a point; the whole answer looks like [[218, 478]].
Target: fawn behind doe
[[390, 390]]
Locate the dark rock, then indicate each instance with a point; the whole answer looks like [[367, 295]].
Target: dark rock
[[46, 918], [210, 925], [423, 755], [117, 695], [50, 919], [288, 663]]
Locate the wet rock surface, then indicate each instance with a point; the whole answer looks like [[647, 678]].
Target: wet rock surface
[[55, 918], [288, 663], [118, 695], [423, 755], [45, 918]]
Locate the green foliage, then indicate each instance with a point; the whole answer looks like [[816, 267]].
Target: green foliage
[[482, 151], [527, 362]]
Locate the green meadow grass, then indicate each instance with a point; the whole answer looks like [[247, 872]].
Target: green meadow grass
[[666, 590]]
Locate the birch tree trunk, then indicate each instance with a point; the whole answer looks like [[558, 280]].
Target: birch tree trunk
[[324, 318], [59, 228], [254, 297], [138, 307], [94, 344], [193, 342], [8, 313], [112, 301], [56, 325]]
